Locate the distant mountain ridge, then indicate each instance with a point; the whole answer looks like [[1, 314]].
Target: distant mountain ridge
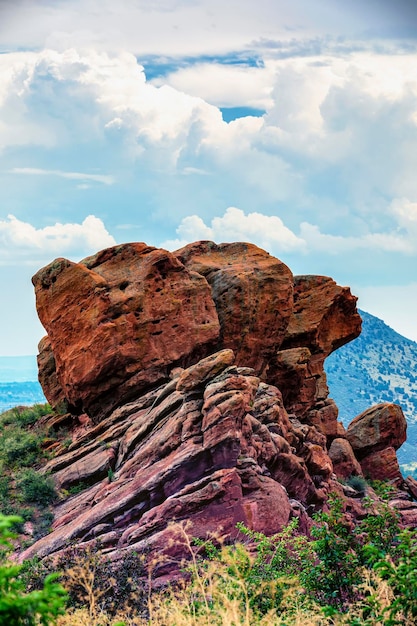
[[19, 382], [15, 369], [379, 366]]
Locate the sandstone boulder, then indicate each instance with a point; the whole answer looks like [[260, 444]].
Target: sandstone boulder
[[379, 427], [252, 292], [119, 321], [382, 465], [344, 461]]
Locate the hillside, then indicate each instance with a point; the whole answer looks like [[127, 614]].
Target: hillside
[[379, 366]]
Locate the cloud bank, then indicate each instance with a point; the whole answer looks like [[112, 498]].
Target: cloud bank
[[22, 243]]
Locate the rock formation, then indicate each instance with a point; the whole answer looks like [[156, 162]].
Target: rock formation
[[375, 435], [194, 388]]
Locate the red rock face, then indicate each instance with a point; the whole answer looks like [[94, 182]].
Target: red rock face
[[344, 461], [252, 292], [118, 321], [246, 432], [374, 436], [204, 448], [47, 376]]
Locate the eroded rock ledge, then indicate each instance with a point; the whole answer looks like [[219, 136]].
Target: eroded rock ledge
[[193, 386]]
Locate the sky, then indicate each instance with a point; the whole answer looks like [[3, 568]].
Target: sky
[[289, 124]]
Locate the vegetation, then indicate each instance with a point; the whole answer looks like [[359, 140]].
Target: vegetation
[[343, 575], [17, 606], [23, 490]]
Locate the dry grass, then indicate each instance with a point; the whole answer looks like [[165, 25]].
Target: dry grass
[[218, 595], [184, 607]]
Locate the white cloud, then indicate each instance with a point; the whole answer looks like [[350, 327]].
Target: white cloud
[[337, 146], [34, 171], [224, 85], [268, 232], [21, 242], [168, 26], [339, 244]]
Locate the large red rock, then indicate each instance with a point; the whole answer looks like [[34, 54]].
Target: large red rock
[[252, 291], [118, 321], [196, 393], [344, 461], [375, 435], [382, 465], [379, 427]]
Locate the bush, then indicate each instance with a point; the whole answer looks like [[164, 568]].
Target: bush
[[19, 448], [400, 571], [36, 488], [18, 608], [24, 416], [357, 482]]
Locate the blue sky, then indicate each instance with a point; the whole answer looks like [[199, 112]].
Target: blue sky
[[289, 124]]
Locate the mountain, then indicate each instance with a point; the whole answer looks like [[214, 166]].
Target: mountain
[[379, 366], [19, 382]]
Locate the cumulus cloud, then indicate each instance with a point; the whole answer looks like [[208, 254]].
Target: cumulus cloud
[[268, 232], [224, 85], [336, 147], [21, 242]]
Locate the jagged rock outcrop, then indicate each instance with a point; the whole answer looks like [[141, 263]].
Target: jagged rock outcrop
[[195, 390], [214, 446], [324, 317]]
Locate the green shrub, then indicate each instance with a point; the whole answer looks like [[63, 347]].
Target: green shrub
[[36, 488], [24, 416], [400, 571], [357, 482], [17, 607], [19, 448], [333, 578]]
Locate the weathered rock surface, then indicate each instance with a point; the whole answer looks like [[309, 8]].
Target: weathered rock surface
[[193, 388], [324, 317], [374, 436], [119, 320], [213, 453], [252, 292], [379, 427], [382, 465], [343, 458]]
